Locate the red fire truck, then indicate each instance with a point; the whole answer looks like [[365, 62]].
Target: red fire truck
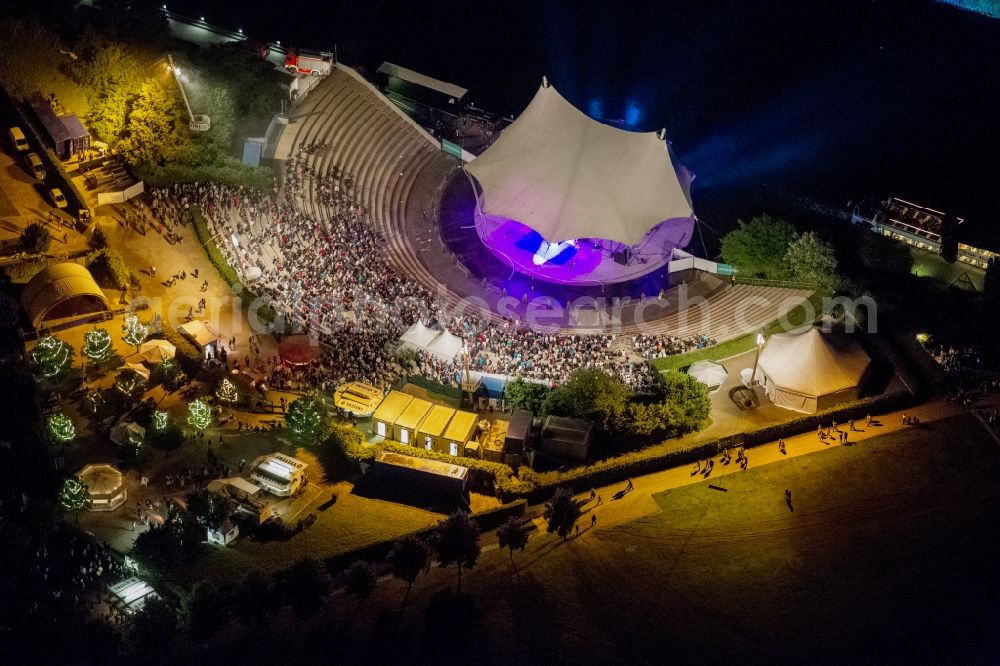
[[313, 63]]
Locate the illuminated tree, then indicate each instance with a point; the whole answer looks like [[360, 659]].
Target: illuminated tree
[[129, 383], [134, 331], [97, 344], [73, 496], [51, 357], [757, 248], [61, 428], [810, 259], [160, 421], [199, 414], [226, 392], [306, 420]]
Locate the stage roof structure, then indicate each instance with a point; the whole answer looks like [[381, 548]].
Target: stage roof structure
[[60, 291], [568, 176]]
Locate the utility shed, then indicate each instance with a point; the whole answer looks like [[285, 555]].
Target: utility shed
[[518, 432], [384, 418], [566, 437]]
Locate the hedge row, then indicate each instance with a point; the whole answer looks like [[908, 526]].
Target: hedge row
[[435, 387], [653, 459], [25, 270]]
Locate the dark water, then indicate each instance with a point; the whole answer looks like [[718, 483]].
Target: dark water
[[825, 100]]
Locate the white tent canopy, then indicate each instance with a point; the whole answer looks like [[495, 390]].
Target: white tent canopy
[[123, 433], [808, 370], [709, 373], [418, 336], [445, 346], [442, 344], [568, 176]]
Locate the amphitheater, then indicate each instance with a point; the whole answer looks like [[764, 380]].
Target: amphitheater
[[400, 173]]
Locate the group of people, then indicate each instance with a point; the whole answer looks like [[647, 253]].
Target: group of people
[[657, 346], [331, 277]]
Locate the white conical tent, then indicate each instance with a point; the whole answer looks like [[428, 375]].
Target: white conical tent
[[568, 176], [709, 373], [808, 371]]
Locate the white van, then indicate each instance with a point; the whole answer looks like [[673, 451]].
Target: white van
[[17, 140]]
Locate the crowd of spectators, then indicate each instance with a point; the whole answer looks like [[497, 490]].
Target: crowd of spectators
[[657, 346], [331, 277]]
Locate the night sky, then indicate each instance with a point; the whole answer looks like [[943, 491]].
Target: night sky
[[828, 101]]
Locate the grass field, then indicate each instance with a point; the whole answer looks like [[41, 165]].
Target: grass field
[[887, 557]]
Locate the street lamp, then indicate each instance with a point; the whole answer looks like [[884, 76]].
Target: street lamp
[[756, 359]]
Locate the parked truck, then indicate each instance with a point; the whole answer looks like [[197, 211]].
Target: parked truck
[[312, 63]]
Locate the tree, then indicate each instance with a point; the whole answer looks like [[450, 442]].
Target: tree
[[810, 259], [153, 628], [226, 392], [562, 512], [683, 407], [757, 248], [208, 508], [97, 344], [589, 393], [255, 599], [520, 394], [305, 586], [991, 283], [130, 384], [949, 238], [205, 611], [73, 496], [61, 428], [199, 414], [306, 420], [51, 356], [35, 238], [408, 558], [512, 535], [134, 331], [882, 253], [359, 581], [457, 542], [160, 421]]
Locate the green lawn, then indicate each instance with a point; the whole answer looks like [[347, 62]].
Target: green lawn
[[349, 524], [886, 558], [744, 343]]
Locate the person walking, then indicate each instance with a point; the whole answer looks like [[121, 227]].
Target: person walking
[[629, 487], [600, 500], [593, 519]]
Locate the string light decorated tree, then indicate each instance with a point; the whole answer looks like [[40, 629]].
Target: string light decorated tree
[[134, 331], [97, 345], [51, 357], [306, 420], [226, 392], [61, 428], [160, 421], [73, 496], [199, 414]]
